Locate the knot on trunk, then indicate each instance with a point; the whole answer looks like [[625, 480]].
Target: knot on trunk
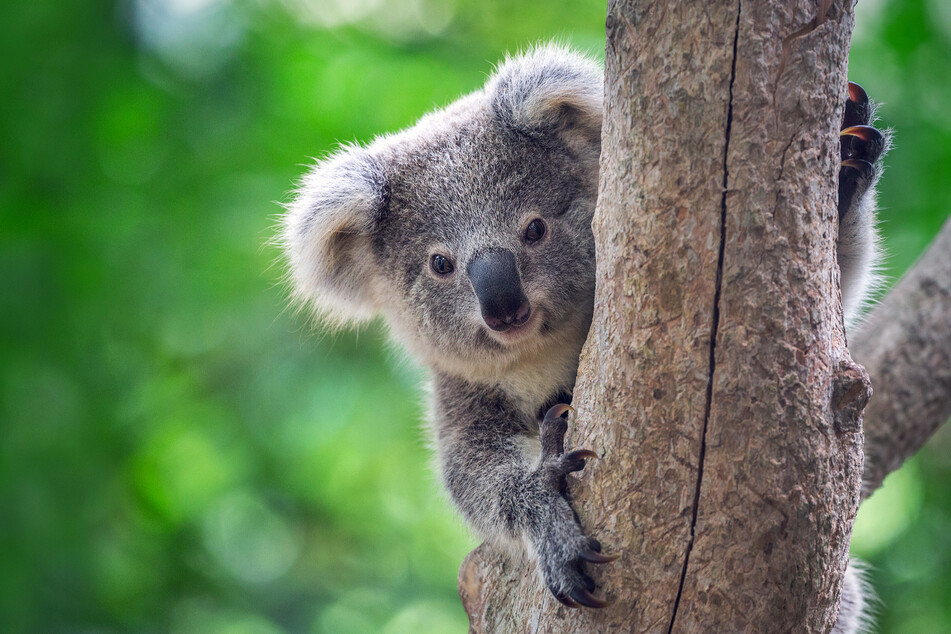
[[472, 585], [851, 391]]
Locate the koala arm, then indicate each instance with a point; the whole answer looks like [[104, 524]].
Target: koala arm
[[508, 495]]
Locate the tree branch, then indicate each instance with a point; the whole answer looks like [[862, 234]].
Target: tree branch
[[715, 378], [906, 347]]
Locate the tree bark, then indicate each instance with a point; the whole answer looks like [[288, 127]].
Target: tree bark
[[715, 379], [906, 346]]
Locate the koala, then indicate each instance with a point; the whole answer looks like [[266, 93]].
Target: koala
[[470, 234]]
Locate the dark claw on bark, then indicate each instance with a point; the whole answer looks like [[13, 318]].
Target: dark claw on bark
[[864, 132], [564, 600], [582, 454], [861, 142], [585, 598], [864, 168], [597, 558], [553, 430], [558, 411], [857, 93], [575, 460], [857, 110]]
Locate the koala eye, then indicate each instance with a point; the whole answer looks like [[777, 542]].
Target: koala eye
[[535, 230], [441, 265]]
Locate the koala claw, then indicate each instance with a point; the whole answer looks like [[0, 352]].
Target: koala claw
[[553, 431], [597, 558], [581, 454], [593, 554], [864, 132], [864, 168], [857, 108], [554, 427], [564, 599], [581, 597], [861, 146], [861, 141], [585, 598], [565, 549]]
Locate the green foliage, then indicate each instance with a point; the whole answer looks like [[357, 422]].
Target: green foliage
[[178, 451]]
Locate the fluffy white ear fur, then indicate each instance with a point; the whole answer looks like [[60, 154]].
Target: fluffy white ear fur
[[325, 232], [550, 88], [325, 235]]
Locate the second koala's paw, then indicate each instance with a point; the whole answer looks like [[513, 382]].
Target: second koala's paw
[[563, 548], [861, 147]]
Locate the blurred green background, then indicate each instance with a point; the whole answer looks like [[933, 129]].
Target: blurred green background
[[179, 452]]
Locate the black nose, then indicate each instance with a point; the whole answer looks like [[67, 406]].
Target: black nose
[[494, 278]]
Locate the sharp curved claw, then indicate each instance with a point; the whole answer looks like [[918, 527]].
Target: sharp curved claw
[[565, 600], [598, 558], [557, 411], [581, 454], [553, 430], [857, 93], [864, 167], [861, 142], [864, 132], [585, 598], [857, 108]]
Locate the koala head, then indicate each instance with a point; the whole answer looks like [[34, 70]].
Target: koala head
[[470, 232]]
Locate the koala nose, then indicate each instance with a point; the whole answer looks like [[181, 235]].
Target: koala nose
[[494, 278]]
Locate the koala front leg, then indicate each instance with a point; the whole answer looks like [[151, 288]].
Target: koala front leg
[[861, 148], [561, 544], [504, 495]]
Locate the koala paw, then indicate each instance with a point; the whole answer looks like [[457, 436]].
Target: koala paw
[[861, 146], [562, 547]]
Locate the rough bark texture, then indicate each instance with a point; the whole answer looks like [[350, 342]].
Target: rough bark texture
[[715, 377], [906, 346]]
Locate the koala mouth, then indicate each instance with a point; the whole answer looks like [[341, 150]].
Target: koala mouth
[[516, 333]]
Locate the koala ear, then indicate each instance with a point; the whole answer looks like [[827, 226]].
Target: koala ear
[[550, 89], [326, 236]]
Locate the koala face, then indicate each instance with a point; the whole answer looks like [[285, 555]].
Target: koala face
[[471, 231]]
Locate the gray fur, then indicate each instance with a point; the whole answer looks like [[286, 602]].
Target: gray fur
[[859, 248], [858, 601], [466, 180]]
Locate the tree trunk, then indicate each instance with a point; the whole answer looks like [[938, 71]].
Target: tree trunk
[[715, 379]]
